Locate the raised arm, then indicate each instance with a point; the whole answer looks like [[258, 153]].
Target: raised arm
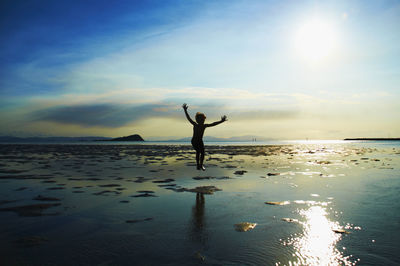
[[223, 119], [185, 107]]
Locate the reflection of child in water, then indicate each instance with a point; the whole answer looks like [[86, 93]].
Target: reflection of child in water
[[198, 132]]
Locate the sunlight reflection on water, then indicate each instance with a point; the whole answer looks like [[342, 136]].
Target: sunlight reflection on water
[[317, 244]]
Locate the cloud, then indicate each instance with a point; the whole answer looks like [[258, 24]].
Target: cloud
[[115, 114], [103, 115], [266, 115]]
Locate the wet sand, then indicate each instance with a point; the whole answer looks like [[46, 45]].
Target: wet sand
[[316, 204]]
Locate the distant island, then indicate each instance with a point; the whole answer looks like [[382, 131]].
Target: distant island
[[134, 137], [12, 139], [378, 139]]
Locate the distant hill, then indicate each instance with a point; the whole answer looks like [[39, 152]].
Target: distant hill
[[11, 139], [134, 137], [216, 139]]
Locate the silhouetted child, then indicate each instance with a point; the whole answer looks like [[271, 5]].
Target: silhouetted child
[[198, 132]]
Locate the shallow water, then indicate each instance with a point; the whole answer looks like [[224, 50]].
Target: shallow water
[[324, 187]]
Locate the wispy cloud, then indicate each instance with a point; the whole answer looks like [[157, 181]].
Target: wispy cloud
[[266, 115], [103, 115], [119, 108]]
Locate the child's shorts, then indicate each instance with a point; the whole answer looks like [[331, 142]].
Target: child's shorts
[[198, 145]]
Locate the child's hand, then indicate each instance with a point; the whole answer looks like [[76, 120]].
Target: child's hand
[[185, 106], [223, 118]]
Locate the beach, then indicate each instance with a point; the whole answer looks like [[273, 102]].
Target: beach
[[131, 204]]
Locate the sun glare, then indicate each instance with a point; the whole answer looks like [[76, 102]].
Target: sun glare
[[315, 40], [318, 243]]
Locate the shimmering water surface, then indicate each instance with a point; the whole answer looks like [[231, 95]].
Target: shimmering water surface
[[327, 204]]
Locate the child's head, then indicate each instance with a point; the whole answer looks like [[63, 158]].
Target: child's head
[[200, 118]]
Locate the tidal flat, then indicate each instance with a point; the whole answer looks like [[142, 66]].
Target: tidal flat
[[298, 204]]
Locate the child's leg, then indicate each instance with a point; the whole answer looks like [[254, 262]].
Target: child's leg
[[196, 148], [202, 157], [198, 159], [201, 162]]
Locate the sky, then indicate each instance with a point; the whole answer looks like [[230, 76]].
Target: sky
[[277, 69]]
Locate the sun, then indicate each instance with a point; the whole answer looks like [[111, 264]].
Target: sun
[[315, 40]]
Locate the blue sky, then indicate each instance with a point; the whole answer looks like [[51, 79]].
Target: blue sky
[[116, 68]]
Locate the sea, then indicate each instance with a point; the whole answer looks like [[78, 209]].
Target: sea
[[312, 202]]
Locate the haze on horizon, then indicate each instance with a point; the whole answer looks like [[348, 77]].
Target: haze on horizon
[[277, 69]]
